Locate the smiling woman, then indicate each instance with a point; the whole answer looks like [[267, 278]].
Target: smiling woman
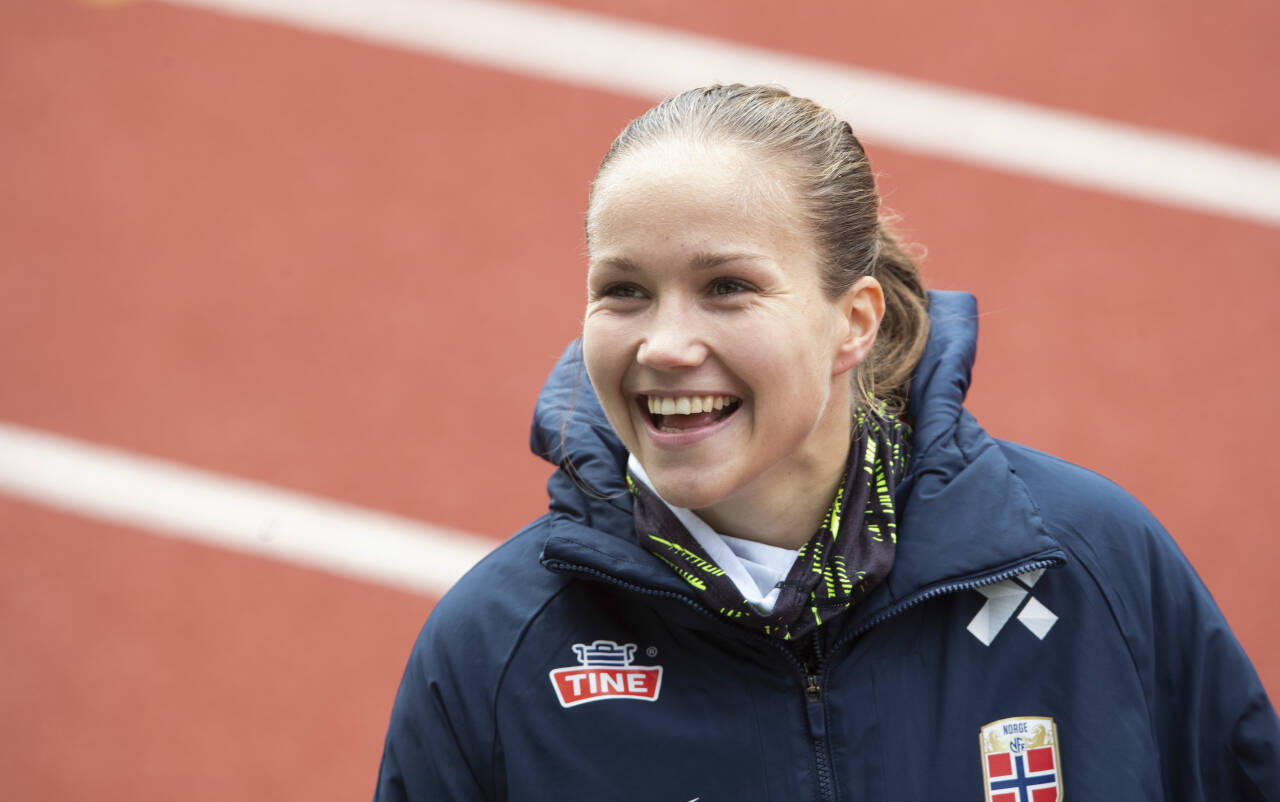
[[699, 287], [775, 496]]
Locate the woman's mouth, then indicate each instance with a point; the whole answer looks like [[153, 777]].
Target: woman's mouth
[[675, 414]]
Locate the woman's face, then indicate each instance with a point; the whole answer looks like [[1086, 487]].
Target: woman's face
[[718, 358]]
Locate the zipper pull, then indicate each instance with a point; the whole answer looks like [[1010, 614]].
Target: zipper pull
[[811, 688], [815, 711]]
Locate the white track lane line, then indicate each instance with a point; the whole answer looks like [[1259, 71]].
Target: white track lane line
[[653, 62], [180, 501]]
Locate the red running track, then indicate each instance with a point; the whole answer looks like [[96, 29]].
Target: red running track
[[345, 269]]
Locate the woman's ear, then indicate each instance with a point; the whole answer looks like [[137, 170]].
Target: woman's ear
[[862, 309]]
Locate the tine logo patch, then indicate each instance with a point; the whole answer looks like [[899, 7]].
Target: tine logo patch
[[1020, 760], [604, 671]]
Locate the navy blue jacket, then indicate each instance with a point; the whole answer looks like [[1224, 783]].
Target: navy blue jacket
[[1115, 640]]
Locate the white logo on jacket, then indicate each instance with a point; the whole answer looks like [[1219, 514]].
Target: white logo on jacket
[[1003, 600]]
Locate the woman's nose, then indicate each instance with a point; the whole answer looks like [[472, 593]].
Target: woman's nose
[[671, 341]]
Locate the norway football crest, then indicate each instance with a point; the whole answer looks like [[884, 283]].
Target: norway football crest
[[1020, 760], [605, 672]]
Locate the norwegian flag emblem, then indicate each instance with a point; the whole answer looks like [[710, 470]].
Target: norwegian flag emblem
[[604, 671], [1020, 760]]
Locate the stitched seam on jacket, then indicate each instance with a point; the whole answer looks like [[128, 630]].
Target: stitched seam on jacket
[[1085, 565], [1124, 638], [1102, 588], [1232, 749]]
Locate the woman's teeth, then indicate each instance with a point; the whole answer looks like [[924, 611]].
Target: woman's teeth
[[688, 404]]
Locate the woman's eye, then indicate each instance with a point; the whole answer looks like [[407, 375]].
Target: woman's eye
[[621, 291], [728, 286]]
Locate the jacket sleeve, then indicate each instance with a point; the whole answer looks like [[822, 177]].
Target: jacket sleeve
[[440, 742], [1218, 732]]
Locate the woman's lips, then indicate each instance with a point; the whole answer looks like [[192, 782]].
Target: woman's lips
[[686, 423]]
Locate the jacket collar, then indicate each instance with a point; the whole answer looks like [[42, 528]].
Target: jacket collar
[[963, 514]]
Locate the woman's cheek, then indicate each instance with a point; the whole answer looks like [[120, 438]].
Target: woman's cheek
[[604, 357]]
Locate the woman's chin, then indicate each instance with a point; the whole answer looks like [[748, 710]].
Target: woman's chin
[[688, 489]]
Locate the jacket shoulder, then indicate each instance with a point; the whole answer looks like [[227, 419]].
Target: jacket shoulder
[[1219, 736], [442, 740], [1076, 502], [482, 618], [1107, 532]]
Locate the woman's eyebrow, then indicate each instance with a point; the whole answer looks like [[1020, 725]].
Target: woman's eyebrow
[[699, 261], [615, 262], [704, 261]]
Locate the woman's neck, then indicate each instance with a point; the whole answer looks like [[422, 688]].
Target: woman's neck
[[786, 505]]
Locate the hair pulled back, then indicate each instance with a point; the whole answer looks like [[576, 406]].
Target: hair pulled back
[[838, 201]]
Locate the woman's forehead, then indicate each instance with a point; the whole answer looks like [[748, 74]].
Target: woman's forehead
[[687, 182], [676, 158]]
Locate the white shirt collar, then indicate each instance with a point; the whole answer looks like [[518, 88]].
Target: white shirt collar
[[755, 568]]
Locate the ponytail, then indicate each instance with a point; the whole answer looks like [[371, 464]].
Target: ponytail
[[885, 375]]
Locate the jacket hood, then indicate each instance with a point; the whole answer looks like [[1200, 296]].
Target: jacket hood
[[941, 379], [570, 431], [962, 511]]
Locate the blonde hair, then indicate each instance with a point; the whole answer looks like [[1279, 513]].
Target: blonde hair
[[838, 201]]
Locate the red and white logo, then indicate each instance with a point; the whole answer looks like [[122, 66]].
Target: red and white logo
[[605, 672], [1020, 760]]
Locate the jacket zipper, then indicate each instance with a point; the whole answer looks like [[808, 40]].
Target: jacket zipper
[[814, 709], [816, 713], [815, 679]]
